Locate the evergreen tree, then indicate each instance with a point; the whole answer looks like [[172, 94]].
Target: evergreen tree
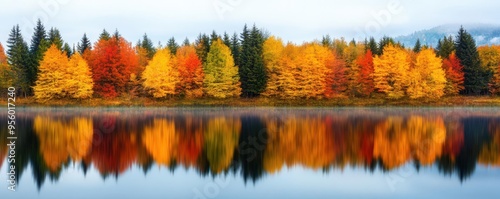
[[85, 44], [252, 70], [147, 44], [55, 38], [417, 47], [214, 37], [476, 78], [202, 45], [384, 42], [226, 39], [104, 35], [19, 60], [372, 46], [186, 42], [117, 35], [39, 44], [172, 45], [235, 49], [326, 41], [445, 47], [67, 50]]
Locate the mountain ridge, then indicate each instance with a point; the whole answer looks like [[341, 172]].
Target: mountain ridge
[[484, 34]]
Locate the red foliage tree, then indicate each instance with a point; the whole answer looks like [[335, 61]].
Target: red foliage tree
[[454, 75], [112, 61], [336, 80], [366, 70]]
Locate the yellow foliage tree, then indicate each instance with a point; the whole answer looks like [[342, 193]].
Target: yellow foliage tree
[[221, 139], [391, 71], [51, 78], [79, 78], [221, 75], [6, 73], [60, 139], [427, 78], [61, 78], [161, 76], [273, 50], [311, 65], [490, 59]]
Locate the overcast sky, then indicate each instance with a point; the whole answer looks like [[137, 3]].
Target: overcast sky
[[292, 20]]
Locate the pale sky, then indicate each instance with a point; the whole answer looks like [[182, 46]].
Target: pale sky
[[292, 20]]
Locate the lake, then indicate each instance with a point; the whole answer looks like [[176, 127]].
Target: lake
[[203, 153]]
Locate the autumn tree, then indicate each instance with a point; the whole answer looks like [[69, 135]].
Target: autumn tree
[[490, 60], [390, 74], [272, 55], [161, 76], [51, 80], [112, 61], [190, 72], [221, 75], [365, 75], [312, 71], [337, 76], [252, 70], [476, 77], [427, 78], [79, 83], [60, 77], [454, 75], [6, 73], [352, 69]]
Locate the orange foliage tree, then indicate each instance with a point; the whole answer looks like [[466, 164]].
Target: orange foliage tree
[[190, 72]]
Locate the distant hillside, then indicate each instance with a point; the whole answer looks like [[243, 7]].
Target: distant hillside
[[483, 34]]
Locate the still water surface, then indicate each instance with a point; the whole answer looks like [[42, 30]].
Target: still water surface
[[255, 153]]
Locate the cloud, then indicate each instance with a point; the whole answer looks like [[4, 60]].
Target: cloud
[[295, 20]]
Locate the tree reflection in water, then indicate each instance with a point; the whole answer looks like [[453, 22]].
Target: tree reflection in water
[[255, 143]]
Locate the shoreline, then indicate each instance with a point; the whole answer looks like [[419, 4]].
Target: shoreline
[[453, 101]]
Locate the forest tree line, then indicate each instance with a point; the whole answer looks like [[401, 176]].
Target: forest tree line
[[250, 64]]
